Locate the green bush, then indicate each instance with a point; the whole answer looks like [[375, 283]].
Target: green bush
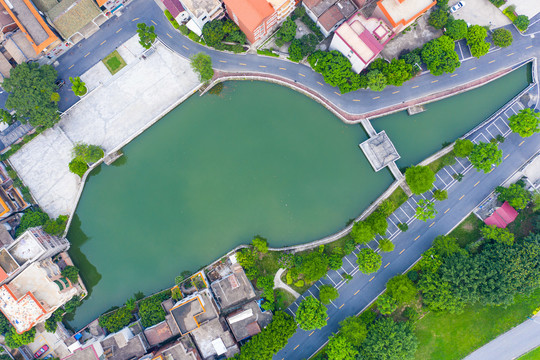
[[403, 227], [151, 311], [509, 12], [194, 37], [71, 273], [184, 30], [498, 3], [312, 26], [267, 52], [522, 22], [299, 283], [116, 320], [78, 167], [30, 219]]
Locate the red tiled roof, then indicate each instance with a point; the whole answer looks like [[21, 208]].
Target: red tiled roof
[[502, 216], [174, 7], [331, 17]]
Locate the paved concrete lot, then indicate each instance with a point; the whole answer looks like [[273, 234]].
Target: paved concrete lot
[[524, 7], [108, 116], [481, 12]]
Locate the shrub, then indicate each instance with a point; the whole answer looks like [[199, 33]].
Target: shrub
[[498, 3], [440, 195], [267, 52], [411, 314], [87, 153], [403, 227], [78, 167], [438, 18], [312, 26], [261, 244], [14, 340], [184, 30], [194, 37], [522, 22], [386, 304], [116, 320], [151, 311], [386, 245], [31, 218], [401, 288], [71, 273], [299, 283], [502, 37]]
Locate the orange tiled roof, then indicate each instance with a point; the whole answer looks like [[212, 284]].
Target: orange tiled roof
[[403, 21], [251, 13], [101, 2]]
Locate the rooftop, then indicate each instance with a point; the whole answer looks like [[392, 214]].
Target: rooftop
[[379, 150], [177, 352], [70, 16], [87, 353], [251, 13], [214, 339], [25, 248], [158, 333], [201, 7], [190, 313], [22, 312], [319, 7], [6, 262], [234, 289], [330, 18], [502, 216], [5, 19], [174, 7], [248, 321], [403, 12], [123, 345]]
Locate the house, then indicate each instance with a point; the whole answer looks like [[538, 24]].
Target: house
[[213, 339], [256, 18], [176, 9], [233, 289], [201, 12], [502, 216], [183, 349], [7, 24], [36, 31], [361, 39], [248, 321], [33, 245], [329, 14], [33, 295], [399, 14]]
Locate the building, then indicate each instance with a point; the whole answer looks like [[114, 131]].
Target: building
[[329, 14], [183, 349], [257, 18], [201, 12], [361, 40], [234, 289], [33, 295], [502, 216], [36, 31], [7, 24], [176, 9], [399, 14], [33, 245], [248, 321]]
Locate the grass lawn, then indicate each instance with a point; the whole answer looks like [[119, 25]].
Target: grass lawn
[[114, 62], [468, 230], [283, 299], [398, 198], [441, 162], [444, 336], [533, 355]]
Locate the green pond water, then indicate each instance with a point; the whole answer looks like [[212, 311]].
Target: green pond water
[[217, 170]]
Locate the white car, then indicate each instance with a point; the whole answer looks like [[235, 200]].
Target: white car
[[458, 6]]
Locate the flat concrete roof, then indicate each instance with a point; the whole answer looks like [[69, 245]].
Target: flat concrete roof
[[199, 7], [22, 311], [211, 331], [158, 333], [379, 150], [190, 313], [233, 289], [7, 262], [26, 247]]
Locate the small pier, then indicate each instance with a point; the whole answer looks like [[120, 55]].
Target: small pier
[[110, 158], [416, 109]]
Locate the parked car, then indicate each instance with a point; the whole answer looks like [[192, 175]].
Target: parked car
[[41, 351], [50, 356], [458, 6], [60, 83]]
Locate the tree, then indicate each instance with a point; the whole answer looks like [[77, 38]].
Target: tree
[[14, 340], [386, 245], [30, 219], [354, 330], [340, 348], [438, 18], [463, 148], [56, 226], [131, 303], [362, 232], [88, 153], [147, 35], [5, 325], [440, 56], [261, 244], [72, 304], [202, 65], [456, 29], [515, 194], [271, 339], [78, 167], [368, 261], [247, 259], [55, 97], [491, 232], [287, 31], [311, 314], [295, 50], [480, 49], [401, 288], [71, 273], [437, 294], [30, 88], [425, 210], [445, 246], [386, 304], [485, 155], [413, 58], [78, 86], [233, 32], [390, 340], [308, 44], [440, 195], [398, 71], [151, 311], [314, 266], [525, 122], [333, 66], [419, 178], [116, 320], [522, 22], [502, 37], [327, 294], [476, 36], [376, 80], [377, 222], [213, 33], [335, 260]]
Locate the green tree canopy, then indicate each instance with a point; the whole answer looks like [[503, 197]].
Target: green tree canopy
[[515, 194], [463, 148], [147, 35], [445, 246], [248, 260], [525, 123], [14, 340], [78, 86], [327, 294], [311, 314], [72, 273], [386, 304], [5, 325], [202, 65], [522, 22], [456, 29], [492, 232], [419, 178], [295, 50], [440, 195], [314, 266], [480, 49], [376, 80], [476, 36], [29, 88], [368, 261], [78, 167], [440, 56], [401, 288], [389, 340], [502, 37], [287, 31], [116, 320], [425, 210], [88, 153], [213, 32], [354, 330], [335, 260], [260, 244], [30, 219], [386, 245], [340, 348], [485, 155], [438, 18], [362, 232], [377, 222]]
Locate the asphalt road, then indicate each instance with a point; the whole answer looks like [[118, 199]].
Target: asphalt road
[[516, 342], [118, 29]]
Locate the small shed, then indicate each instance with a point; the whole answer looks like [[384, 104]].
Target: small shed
[[502, 216]]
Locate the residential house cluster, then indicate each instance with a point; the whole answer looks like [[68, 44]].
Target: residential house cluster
[[213, 311], [31, 283]]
